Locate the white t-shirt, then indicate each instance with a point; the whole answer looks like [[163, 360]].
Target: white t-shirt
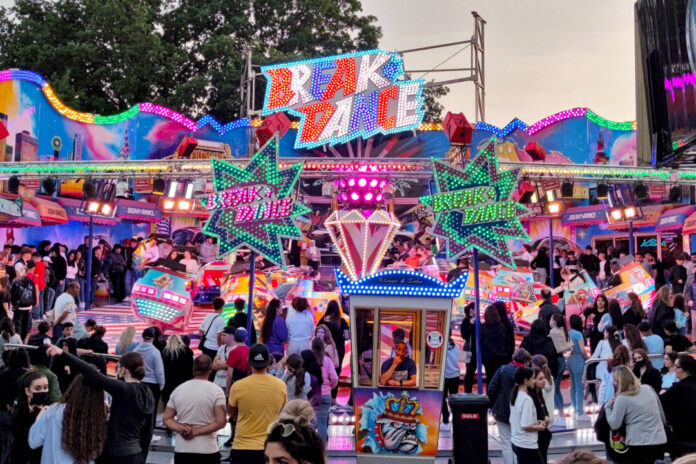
[[217, 325], [523, 414], [65, 303], [221, 375], [194, 402]]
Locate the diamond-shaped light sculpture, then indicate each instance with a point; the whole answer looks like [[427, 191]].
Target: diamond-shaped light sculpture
[[362, 238]]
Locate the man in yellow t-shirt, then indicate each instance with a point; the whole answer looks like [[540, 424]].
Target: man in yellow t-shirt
[[256, 400]]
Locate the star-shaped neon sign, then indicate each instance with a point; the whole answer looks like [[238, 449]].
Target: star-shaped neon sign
[[254, 206], [474, 208]]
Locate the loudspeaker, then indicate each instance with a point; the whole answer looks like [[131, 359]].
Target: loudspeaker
[[89, 189], [158, 186], [277, 123], [457, 128], [186, 147], [567, 189], [49, 186], [602, 191], [536, 151], [524, 192], [675, 194], [13, 185], [641, 192]]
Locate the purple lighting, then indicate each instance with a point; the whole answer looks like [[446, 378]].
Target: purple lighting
[[554, 118], [362, 182], [368, 196]]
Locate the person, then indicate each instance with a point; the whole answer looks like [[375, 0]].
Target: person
[[115, 268], [468, 334], [41, 335], [594, 315], [212, 325], [340, 333], [126, 341], [661, 310], [541, 391], [255, 401], [95, 341], [604, 270], [297, 380], [620, 357], [638, 408], [576, 364], [330, 380], [220, 361], [274, 332], [195, 411], [23, 297], [492, 331], [635, 312], [313, 255], [524, 425], [673, 340], [562, 344], [292, 439], [547, 308], [190, 263], [71, 268], [678, 275], [300, 323], [239, 319], [129, 427], [451, 377], [65, 309], [614, 279], [34, 399], [74, 429], [151, 251], [538, 342], [632, 339], [654, 343], [238, 357], [644, 370], [177, 361], [41, 362], [154, 368], [207, 251], [40, 273], [571, 262], [669, 374], [81, 276], [581, 457], [17, 364], [681, 314], [613, 316], [322, 333], [97, 272], [526, 254], [509, 341], [542, 265], [499, 391], [7, 335], [679, 404], [400, 370], [589, 263], [310, 365]]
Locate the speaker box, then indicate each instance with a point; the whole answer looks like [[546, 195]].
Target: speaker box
[[567, 189], [275, 123], [536, 151], [457, 128], [186, 147]]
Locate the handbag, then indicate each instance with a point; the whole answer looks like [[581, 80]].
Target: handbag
[[614, 440], [465, 354], [205, 335]]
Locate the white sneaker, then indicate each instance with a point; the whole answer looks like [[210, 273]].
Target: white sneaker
[[560, 422], [82, 305], [582, 418]]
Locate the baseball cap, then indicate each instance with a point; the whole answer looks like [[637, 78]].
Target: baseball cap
[[148, 333], [258, 356], [228, 330]]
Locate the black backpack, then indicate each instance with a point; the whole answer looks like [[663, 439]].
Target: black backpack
[[27, 296]]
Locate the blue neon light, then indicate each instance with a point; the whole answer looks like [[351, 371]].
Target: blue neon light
[[401, 283]]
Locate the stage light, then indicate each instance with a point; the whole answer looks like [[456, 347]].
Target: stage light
[[121, 189], [158, 186], [534, 198], [554, 207], [342, 183], [379, 197], [602, 191], [351, 182], [616, 214], [344, 196], [362, 182], [382, 183], [373, 183], [185, 205], [630, 212], [89, 189], [188, 191], [49, 186], [641, 191], [168, 204], [550, 195], [524, 192], [173, 187], [13, 185], [199, 186], [354, 196], [106, 209], [369, 196], [93, 207]]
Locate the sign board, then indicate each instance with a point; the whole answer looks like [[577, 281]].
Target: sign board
[[342, 97], [580, 192], [142, 185]]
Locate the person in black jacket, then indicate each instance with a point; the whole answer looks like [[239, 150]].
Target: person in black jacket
[[547, 308], [675, 341], [115, 268], [509, 343], [542, 261], [594, 314], [177, 359], [539, 342], [644, 370], [129, 429], [590, 263], [468, 332], [679, 405], [95, 342], [678, 275], [60, 269], [661, 310], [493, 352]]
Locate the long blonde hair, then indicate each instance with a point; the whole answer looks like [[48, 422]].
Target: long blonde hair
[[663, 295], [126, 339], [174, 347], [627, 383]]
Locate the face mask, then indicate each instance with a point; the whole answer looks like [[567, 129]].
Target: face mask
[[640, 363], [39, 398]]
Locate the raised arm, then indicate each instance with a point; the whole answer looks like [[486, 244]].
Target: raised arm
[[112, 386]]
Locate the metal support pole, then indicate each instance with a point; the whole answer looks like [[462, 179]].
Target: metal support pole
[[551, 250], [631, 239], [250, 300], [477, 324], [88, 275]]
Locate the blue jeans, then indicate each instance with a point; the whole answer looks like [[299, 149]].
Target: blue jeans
[[323, 417], [557, 395], [81, 281], [577, 390], [38, 311], [50, 298]]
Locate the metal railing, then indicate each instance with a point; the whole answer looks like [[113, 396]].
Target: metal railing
[[598, 360]]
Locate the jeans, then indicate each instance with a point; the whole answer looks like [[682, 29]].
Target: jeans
[[50, 298], [577, 390], [81, 297], [323, 418], [131, 277], [247, 456], [451, 387], [527, 456], [506, 443], [22, 323], [557, 395], [38, 311]]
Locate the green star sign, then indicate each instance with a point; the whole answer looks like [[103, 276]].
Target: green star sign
[[474, 208], [254, 207]]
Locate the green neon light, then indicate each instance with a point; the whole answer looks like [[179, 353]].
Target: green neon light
[[614, 125], [115, 118]]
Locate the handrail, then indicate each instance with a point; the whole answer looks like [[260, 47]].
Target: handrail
[[598, 360], [115, 357]]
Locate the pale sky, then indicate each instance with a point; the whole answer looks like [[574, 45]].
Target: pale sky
[[542, 56]]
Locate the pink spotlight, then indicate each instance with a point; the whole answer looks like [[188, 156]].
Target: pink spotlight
[[362, 182], [342, 183], [354, 196], [369, 196], [351, 182], [373, 183], [382, 183], [344, 196], [379, 197]]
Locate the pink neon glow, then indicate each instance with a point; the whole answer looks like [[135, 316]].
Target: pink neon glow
[[342, 183], [344, 197], [379, 197], [383, 183], [373, 183], [354, 196], [554, 118], [168, 113], [362, 182], [368, 196], [679, 82], [351, 182]]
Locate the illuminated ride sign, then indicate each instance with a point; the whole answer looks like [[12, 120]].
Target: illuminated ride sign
[[474, 208], [254, 207], [342, 97]]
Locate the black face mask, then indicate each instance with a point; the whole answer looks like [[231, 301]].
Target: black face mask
[[39, 398], [639, 363]]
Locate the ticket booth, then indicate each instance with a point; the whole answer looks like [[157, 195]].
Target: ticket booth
[[399, 331]]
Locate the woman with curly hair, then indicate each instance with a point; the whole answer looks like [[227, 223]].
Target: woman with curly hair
[[292, 439], [74, 429]]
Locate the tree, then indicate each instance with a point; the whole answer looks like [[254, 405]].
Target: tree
[[433, 108]]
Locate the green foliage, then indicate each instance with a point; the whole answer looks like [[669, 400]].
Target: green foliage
[[433, 109], [105, 56]]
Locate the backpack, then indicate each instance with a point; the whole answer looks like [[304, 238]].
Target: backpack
[[26, 297]]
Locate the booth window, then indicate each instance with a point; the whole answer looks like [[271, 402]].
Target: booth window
[[399, 348], [364, 328], [435, 346]]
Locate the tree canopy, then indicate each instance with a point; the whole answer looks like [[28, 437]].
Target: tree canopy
[[105, 56]]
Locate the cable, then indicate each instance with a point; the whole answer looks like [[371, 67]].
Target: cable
[[446, 60]]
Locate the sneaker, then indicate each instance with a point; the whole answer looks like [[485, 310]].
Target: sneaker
[[82, 305], [582, 418], [560, 422]]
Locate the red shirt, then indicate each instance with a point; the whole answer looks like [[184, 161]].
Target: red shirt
[[239, 358], [40, 271]]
